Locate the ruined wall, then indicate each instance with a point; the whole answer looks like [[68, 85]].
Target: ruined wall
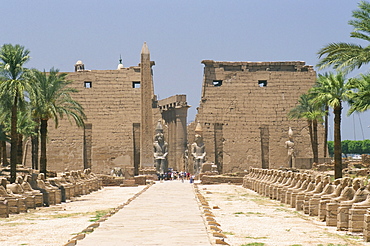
[[112, 107], [243, 112]]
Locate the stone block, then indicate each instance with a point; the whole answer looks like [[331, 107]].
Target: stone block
[[140, 180], [218, 179], [129, 183]]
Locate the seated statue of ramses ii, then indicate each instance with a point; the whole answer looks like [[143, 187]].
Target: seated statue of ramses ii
[[160, 151]]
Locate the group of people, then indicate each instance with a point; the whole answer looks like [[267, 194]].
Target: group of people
[[174, 175]]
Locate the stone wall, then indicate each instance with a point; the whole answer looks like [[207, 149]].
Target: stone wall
[[112, 134], [112, 106], [243, 112]]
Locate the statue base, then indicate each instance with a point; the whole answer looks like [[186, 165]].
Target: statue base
[[149, 172]]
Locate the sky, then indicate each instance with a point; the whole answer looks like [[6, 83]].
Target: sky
[[180, 34]]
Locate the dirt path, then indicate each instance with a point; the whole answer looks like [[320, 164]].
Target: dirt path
[[55, 225], [250, 219], [245, 217]]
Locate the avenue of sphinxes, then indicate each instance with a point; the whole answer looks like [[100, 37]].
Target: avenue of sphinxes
[[242, 110]]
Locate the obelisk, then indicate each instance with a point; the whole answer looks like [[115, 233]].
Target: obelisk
[[146, 124]]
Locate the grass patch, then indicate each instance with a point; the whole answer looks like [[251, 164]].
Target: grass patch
[[262, 201], [255, 213], [239, 213], [99, 214], [62, 216], [257, 237], [228, 233], [296, 213], [350, 240], [13, 224]]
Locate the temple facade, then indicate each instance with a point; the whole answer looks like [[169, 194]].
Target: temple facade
[[243, 111], [122, 111]]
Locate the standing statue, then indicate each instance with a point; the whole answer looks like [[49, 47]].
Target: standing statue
[[198, 150], [186, 160], [160, 151], [290, 146]]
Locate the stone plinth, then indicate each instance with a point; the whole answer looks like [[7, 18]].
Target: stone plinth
[[306, 203], [367, 226], [343, 217], [357, 219], [322, 208], [4, 209], [140, 180], [299, 201], [313, 206], [331, 214]]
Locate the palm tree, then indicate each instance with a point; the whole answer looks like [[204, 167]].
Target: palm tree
[[313, 114], [5, 106], [3, 140], [360, 97], [348, 56], [25, 126], [13, 84], [325, 108], [52, 100], [333, 91]]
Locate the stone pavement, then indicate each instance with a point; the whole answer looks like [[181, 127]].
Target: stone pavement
[[166, 214]]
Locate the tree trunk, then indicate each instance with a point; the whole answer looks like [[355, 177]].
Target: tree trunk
[[43, 135], [337, 142], [310, 130], [35, 147], [13, 141], [19, 148], [326, 130], [315, 144], [3, 154]]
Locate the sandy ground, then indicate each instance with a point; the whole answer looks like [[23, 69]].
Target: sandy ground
[[55, 225], [247, 218]]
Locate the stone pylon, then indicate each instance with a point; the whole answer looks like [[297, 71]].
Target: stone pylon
[[146, 124]]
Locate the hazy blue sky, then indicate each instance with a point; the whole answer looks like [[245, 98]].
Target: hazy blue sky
[[180, 34]]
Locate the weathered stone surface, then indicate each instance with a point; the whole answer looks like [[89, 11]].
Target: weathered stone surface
[[111, 137], [243, 112], [140, 180], [218, 179]]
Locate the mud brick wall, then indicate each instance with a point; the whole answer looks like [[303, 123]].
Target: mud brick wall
[[244, 109], [112, 107]]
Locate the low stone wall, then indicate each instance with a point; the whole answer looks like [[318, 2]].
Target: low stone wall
[[111, 180], [140, 180], [306, 163], [219, 179]]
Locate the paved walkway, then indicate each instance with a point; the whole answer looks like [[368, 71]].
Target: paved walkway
[[166, 214]]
